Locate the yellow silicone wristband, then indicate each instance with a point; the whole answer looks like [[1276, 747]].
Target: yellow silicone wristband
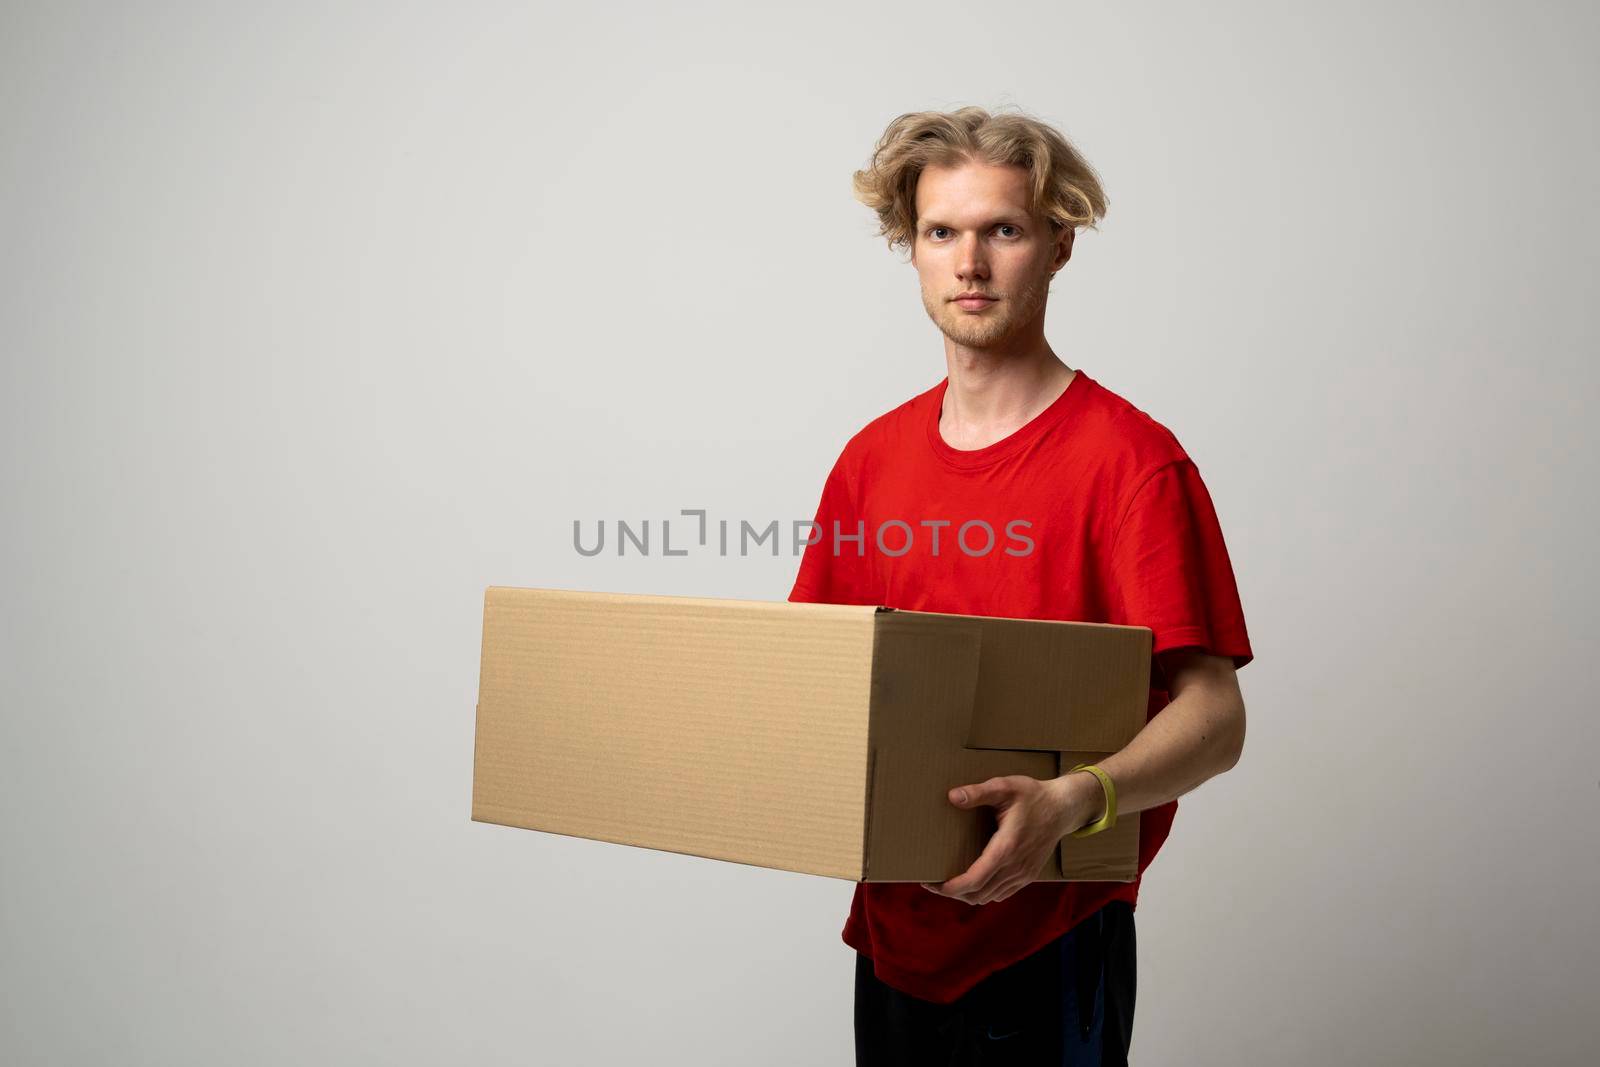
[[1109, 819]]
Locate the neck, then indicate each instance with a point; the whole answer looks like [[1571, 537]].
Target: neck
[[992, 394]]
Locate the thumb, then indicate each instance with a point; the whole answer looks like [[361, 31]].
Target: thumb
[[972, 796]]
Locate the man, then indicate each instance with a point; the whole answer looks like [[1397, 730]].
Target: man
[[992, 966]]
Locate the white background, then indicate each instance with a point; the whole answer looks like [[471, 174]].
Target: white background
[[314, 323]]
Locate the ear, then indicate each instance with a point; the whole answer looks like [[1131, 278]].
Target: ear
[[1063, 248]]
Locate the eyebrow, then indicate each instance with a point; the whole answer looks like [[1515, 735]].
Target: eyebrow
[[1013, 220]]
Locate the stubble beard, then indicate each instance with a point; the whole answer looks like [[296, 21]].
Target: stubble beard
[[987, 330]]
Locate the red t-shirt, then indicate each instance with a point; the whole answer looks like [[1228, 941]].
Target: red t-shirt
[[1094, 513]]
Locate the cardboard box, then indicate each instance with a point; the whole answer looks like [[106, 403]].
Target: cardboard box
[[808, 737]]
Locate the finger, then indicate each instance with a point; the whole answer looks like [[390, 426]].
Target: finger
[[1007, 890], [987, 892], [985, 869], [992, 791]]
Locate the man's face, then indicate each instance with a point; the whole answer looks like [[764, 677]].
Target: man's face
[[977, 234]]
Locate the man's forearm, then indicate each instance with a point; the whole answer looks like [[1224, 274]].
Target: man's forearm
[[1197, 736]]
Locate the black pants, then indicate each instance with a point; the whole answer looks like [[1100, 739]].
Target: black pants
[[1069, 1004]]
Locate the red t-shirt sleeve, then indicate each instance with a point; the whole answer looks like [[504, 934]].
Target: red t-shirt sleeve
[[1170, 569], [825, 577]]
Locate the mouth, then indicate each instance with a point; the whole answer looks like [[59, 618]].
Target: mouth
[[974, 303]]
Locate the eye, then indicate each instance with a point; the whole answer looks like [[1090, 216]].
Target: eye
[[1008, 226], [933, 231]]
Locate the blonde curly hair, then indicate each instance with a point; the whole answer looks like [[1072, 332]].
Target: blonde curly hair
[[1066, 190]]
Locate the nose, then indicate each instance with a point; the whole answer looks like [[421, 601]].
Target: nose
[[972, 264]]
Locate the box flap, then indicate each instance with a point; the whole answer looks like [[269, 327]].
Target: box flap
[[1054, 686], [924, 676]]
